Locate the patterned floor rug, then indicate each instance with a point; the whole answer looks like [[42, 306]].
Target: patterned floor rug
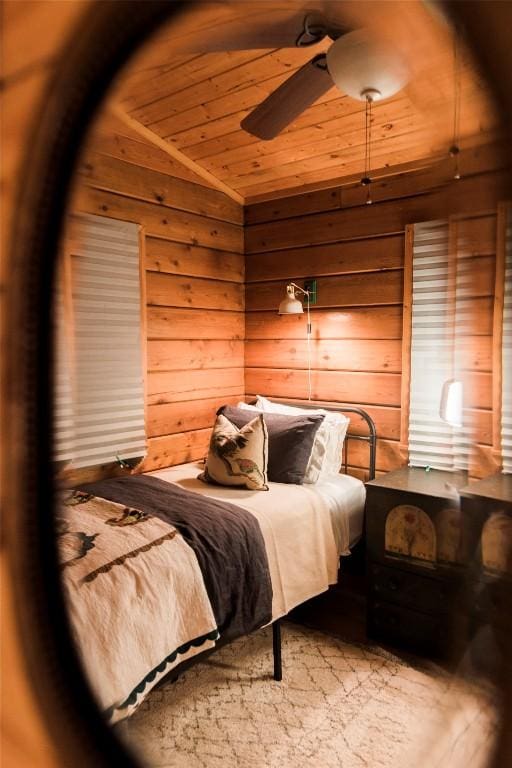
[[339, 705]]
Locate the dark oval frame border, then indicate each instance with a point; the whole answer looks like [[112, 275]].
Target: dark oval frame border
[[101, 42], [110, 31]]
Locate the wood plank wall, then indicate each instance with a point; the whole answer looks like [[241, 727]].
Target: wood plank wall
[[475, 239], [356, 252], [194, 271], [194, 262]]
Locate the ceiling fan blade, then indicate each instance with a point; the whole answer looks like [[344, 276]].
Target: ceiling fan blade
[[270, 29], [289, 100]]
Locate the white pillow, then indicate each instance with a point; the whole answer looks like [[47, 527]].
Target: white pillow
[[326, 455]]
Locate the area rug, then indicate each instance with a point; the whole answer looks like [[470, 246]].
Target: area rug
[[339, 705]]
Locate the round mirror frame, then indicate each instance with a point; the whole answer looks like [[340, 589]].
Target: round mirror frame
[[103, 40], [109, 33]]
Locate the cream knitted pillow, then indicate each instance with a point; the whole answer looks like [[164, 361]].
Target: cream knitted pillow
[[238, 456]]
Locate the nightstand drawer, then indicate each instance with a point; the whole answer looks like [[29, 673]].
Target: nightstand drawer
[[398, 625], [410, 589], [406, 526], [419, 547], [491, 601]]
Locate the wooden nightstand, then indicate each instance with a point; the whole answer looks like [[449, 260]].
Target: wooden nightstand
[[487, 505], [417, 555]]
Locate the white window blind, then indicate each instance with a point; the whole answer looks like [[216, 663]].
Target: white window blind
[[506, 404], [62, 388], [107, 375], [432, 441]]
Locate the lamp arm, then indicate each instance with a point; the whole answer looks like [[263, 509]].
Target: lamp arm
[[298, 288]]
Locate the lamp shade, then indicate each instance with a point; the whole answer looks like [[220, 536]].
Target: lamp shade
[[360, 65], [290, 305], [451, 403]]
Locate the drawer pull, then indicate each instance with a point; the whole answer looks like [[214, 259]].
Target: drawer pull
[[393, 585]]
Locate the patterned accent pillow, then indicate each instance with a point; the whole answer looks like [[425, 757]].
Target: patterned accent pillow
[[238, 456]]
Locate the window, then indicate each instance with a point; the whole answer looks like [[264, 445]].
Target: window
[[438, 282], [99, 379]]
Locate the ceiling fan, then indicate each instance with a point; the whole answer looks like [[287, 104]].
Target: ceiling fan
[[361, 67], [359, 64]]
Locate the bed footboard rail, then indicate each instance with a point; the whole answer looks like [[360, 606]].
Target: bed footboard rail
[[370, 438]]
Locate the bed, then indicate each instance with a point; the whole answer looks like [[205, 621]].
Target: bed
[[159, 568]]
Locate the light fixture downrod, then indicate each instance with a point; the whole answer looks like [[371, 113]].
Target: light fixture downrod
[[369, 94]]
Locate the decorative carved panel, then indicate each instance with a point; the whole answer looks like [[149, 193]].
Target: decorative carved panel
[[451, 542], [497, 543], [410, 532]]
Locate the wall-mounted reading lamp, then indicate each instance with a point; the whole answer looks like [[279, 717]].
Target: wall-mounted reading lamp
[[291, 305]]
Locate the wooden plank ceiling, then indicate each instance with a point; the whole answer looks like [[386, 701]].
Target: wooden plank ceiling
[[194, 101]]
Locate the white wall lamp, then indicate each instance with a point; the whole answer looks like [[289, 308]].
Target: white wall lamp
[[291, 305]]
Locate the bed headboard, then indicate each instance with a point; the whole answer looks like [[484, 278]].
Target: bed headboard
[[370, 438]]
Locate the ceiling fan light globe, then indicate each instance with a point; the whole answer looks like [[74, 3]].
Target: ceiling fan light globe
[[359, 65]]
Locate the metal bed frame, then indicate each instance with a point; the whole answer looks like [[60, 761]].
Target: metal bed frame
[[371, 439]]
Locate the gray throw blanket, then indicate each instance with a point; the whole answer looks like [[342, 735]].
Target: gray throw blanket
[[226, 539]]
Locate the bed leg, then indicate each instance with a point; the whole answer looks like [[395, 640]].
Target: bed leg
[[276, 647]]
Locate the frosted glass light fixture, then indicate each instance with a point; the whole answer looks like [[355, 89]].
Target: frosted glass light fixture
[[451, 403], [360, 65], [367, 70]]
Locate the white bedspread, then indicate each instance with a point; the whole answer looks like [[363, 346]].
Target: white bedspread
[[305, 528], [135, 594], [137, 599]]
